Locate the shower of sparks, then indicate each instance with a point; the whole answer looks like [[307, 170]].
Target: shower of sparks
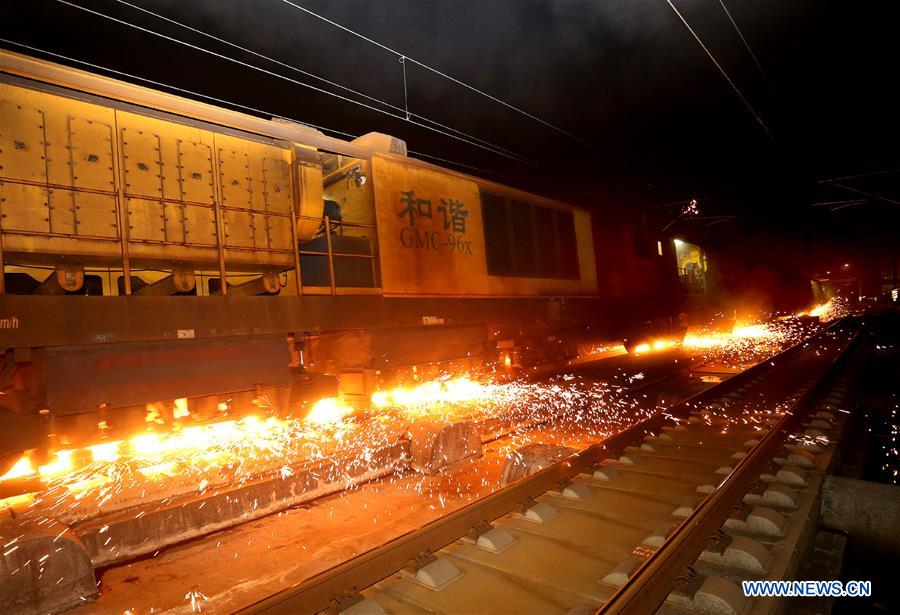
[[748, 343], [196, 598], [111, 474], [655, 346], [197, 457], [76, 484], [452, 398], [744, 343], [328, 411], [830, 310]]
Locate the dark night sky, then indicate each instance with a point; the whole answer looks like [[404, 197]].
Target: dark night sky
[[624, 75]]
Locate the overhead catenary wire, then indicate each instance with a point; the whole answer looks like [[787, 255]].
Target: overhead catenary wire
[[404, 110], [871, 195], [257, 54], [405, 92], [466, 138], [221, 101], [427, 67], [845, 206], [459, 164], [832, 203], [860, 175], [721, 70], [747, 45], [490, 148]]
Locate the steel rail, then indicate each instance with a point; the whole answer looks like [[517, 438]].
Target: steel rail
[[322, 591], [650, 585]]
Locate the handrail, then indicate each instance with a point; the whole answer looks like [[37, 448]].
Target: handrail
[[342, 223]]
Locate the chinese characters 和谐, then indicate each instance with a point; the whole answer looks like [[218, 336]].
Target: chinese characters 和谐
[[452, 219]]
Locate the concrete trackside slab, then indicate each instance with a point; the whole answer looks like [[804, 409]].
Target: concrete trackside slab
[[44, 568], [869, 512]]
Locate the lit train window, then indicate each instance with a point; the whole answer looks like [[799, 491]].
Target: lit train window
[[527, 240]]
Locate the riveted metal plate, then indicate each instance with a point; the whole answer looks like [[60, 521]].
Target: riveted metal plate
[[95, 215], [23, 149], [146, 220], [195, 172], [91, 154], [277, 185], [240, 231], [234, 177], [24, 208], [143, 163]]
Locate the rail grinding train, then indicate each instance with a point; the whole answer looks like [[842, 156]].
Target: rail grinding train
[[162, 252]]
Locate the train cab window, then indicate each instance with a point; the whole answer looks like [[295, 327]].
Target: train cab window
[[349, 207], [347, 189], [527, 240]]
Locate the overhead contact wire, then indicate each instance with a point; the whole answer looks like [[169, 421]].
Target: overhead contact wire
[[404, 109], [721, 70], [436, 71], [492, 149]]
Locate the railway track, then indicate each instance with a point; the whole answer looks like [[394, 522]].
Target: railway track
[[671, 513], [181, 531]]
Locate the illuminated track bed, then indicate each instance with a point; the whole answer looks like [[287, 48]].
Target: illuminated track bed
[[299, 463], [569, 536]]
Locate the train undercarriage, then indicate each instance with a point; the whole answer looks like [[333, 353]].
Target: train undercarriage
[[178, 365]]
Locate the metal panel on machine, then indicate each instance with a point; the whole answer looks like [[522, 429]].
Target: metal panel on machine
[[431, 238], [23, 147], [57, 175], [67, 167], [429, 231]]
